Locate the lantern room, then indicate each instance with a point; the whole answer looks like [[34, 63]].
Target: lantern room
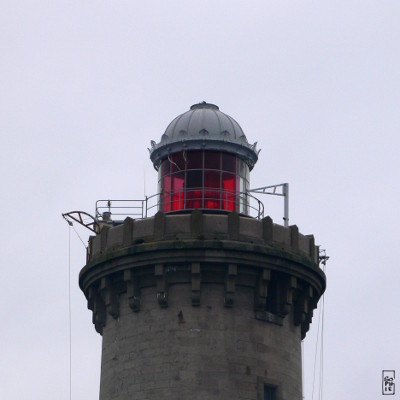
[[203, 162]]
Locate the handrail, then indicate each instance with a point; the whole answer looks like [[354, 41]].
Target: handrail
[[143, 208]]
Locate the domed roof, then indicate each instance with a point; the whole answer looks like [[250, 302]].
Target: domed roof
[[204, 126]]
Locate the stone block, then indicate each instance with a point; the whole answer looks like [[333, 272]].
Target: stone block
[[252, 229], [115, 236], [143, 228], [177, 225], [233, 225], [215, 224], [282, 235]]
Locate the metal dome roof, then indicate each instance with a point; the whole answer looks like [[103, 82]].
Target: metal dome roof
[[204, 126]]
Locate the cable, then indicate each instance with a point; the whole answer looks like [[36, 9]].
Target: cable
[[71, 224], [315, 356], [321, 383], [302, 368], [321, 363], [77, 234], [69, 309]]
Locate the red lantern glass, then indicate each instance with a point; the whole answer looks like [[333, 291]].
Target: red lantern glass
[[201, 179]]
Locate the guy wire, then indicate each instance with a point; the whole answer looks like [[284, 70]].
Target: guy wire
[[315, 355], [69, 309]]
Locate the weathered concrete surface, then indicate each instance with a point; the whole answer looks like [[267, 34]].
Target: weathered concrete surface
[[207, 352]]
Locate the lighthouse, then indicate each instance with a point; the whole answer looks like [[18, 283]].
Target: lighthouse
[[206, 298]]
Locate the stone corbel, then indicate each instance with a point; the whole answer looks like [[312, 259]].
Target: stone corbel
[[110, 297], [312, 305], [132, 290], [196, 284], [162, 286], [301, 307], [305, 326], [286, 287], [261, 290], [96, 304], [230, 285]]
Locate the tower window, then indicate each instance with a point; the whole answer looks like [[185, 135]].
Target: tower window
[[269, 392]]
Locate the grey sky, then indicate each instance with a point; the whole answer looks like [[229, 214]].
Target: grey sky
[[85, 86]]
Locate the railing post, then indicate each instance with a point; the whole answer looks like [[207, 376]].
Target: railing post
[[285, 190]]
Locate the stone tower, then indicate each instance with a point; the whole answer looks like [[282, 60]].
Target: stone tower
[[201, 300]]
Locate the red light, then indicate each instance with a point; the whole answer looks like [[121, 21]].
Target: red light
[[201, 179], [228, 191]]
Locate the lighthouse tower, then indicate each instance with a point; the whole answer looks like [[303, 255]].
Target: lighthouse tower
[[208, 298]]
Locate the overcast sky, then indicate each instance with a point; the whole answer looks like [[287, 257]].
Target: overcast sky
[[85, 86]]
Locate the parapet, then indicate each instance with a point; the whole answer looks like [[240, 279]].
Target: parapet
[[279, 264], [198, 226]]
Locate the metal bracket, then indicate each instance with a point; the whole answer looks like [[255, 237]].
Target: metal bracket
[[78, 216], [282, 189]]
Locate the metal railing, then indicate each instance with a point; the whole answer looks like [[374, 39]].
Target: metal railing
[[181, 200], [120, 209]]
